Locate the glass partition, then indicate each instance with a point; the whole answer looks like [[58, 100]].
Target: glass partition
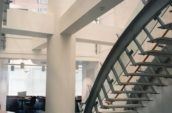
[[40, 6], [26, 76]]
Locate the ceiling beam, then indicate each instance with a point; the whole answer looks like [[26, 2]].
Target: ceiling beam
[[82, 40], [33, 56], [7, 30], [82, 12], [41, 57], [87, 58], [94, 41], [40, 47]]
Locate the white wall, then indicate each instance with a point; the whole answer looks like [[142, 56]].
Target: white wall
[[85, 50], [21, 47], [98, 32], [110, 24], [89, 75], [120, 15], [60, 6]]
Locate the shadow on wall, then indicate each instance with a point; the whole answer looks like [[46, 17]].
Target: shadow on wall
[[88, 82], [90, 70], [3, 84]]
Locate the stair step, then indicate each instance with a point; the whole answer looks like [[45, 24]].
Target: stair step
[[162, 40], [149, 75], [167, 26], [135, 92], [156, 53], [153, 64], [127, 99], [143, 84], [123, 106], [117, 111]]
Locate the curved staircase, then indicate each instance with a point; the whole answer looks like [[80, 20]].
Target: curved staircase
[[139, 62]]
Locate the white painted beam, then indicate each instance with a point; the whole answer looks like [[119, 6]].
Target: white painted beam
[[98, 33], [93, 33], [87, 58], [40, 47], [22, 32], [94, 41], [41, 56], [44, 45], [21, 48], [82, 13], [32, 56]]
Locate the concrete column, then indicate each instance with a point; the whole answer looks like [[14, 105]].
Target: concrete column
[[61, 68], [61, 75]]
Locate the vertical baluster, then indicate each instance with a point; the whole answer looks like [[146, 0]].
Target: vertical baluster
[[96, 108], [116, 76], [148, 33], [100, 101], [160, 21], [139, 46], [104, 92], [129, 54], [122, 66], [110, 82]]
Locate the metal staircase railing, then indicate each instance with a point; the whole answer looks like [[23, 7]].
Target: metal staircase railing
[[146, 66], [134, 53]]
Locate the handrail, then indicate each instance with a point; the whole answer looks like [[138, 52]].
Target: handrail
[[135, 27]]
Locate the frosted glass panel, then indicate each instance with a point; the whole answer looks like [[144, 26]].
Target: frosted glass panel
[[40, 6], [30, 79], [78, 81]]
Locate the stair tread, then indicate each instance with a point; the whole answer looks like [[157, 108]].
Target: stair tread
[[141, 83], [149, 75], [153, 64], [162, 40], [119, 92], [117, 111], [156, 52], [124, 106], [128, 99], [167, 26]]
